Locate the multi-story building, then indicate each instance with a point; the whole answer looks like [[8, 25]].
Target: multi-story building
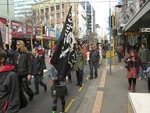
[[7, 8], [53, 13], [90, 12], [23, 7], [137, 25]]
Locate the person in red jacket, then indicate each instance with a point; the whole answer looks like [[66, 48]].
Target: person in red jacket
[[9, 86]]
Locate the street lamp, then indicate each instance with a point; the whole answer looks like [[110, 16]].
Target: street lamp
[[110, 35]]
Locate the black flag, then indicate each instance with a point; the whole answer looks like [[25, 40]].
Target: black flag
[[1, 41], [64, 56]]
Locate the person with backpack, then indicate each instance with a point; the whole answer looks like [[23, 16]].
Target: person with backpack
[[9, 86], [23, 67], [37, 70]]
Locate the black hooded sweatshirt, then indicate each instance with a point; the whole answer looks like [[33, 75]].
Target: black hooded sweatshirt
[[9, 90]]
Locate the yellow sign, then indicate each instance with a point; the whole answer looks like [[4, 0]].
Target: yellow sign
[[131, 33]]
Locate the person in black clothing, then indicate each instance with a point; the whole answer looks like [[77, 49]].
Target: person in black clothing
[[37, 70], [9, 86], [23, 67], [94, 60]]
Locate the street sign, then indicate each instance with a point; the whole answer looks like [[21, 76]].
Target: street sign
[[145, 29]]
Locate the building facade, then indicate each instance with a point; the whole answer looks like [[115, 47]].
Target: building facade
[[90, 12], [7, 8], [23, 7], [53, 13]]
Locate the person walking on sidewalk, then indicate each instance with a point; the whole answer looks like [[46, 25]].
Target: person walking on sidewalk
[[144, 54], [37, 70], [94, 61], [23, 67], [79, 65], [133, 65]]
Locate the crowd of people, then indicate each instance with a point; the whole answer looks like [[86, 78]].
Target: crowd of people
[[18, 66]]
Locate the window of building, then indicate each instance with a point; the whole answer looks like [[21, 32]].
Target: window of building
[[52, 8], [62, 6], [62, 14], [47, 9], [52, 17], [57, 7], [58, 15], [47, 17], [52, 26], [42, 11]]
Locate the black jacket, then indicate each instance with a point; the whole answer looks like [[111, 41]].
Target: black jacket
[[94, 56], [9, 91], [37, 64], [22, 62]]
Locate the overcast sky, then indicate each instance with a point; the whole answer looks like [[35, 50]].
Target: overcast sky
[[102, 11]]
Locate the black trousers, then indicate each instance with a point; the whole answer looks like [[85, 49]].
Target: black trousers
[[55, 102], [24, 84], [79, 75]]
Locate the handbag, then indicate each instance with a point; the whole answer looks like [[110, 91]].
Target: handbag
[[57, 90], [126, 65], [23, 100]]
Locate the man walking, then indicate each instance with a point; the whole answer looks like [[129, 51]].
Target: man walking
[[144, 54], [94, 60]]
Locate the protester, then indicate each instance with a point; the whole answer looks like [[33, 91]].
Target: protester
[[133, 65], [94, 61], [41, 52], [144, 54], [37, 70], [9, 86], [23, 67], [58, 89], [79, 65]]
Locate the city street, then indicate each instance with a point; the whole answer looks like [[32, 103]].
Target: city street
[[82, 100]]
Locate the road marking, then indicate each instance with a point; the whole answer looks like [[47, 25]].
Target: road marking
[[98, 102], [81, 88], [106, 61], [87, 77], [69, 105], [103, 79]]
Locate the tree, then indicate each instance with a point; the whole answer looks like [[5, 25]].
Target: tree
[[93, 37]]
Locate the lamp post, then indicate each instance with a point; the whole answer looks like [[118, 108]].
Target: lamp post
[[110, 35]]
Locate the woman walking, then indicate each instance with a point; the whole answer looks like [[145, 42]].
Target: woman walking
[[133, 63]]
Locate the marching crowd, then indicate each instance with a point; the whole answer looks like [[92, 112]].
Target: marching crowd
[[17, 68]]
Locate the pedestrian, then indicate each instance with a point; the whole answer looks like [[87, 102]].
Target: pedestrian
[[9, 86], [58, 89], [144, 54], [37, 70], [41, 52], [94, 61], [23, 67], [79, 65], [133, 65], [148, 77], [119, 52]]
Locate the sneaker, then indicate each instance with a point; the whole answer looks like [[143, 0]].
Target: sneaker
[[145, 76], [53, 111], [140, 78]]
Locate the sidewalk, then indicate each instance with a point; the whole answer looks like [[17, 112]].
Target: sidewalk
[[108, 93]]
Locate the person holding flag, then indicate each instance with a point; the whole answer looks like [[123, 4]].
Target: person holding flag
[[63, 60]]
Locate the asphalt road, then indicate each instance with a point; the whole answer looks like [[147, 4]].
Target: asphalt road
[[42, 103]]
